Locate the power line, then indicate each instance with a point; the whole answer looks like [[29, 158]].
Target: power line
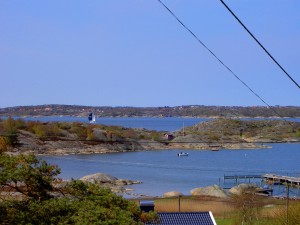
[[266, 51], [220, 61]]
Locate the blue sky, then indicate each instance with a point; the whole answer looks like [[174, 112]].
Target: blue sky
[[134, 53]]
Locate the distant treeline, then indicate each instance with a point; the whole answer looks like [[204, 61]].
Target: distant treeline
[[176, 111]]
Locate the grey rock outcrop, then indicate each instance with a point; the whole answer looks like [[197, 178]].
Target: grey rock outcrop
[[172, 194], [102, 178], [242, 188], [99, 178], [105, 180], [213, 191], [99, 135]]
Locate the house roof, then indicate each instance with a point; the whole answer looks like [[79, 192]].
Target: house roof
[[191, 218]]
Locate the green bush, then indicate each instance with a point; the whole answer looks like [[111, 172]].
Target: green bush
[[9, 126], [39, 131], [79, 130], [79, 203], [155, 136]]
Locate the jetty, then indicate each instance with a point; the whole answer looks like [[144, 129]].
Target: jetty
[[285, 180], [246, 178]]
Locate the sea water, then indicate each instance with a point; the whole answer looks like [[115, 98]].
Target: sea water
[[162, 170], [149, 123]]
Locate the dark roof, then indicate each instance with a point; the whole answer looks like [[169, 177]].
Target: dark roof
[[146, 203], [191, 218]]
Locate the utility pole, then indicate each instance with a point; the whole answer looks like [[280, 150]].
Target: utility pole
[[179, 202], [287, 203]]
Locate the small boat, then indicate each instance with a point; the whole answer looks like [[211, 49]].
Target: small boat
[[215, 147], [92, 117], [183, 154]]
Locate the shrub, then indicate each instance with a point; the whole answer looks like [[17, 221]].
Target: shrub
[[80, 204], [79, 130]]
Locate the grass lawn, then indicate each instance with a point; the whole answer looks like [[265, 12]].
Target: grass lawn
[[224, 210], [224, 221]]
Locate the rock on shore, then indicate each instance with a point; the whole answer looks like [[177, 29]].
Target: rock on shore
[[213, 191], [172, 194], [245, 188], [102, 178], [114, 184]]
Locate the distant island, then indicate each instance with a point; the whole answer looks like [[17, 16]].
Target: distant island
[[176, 111], [57, 138]]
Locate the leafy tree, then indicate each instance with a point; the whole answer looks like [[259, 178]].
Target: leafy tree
[[27, 175], [79, 203]]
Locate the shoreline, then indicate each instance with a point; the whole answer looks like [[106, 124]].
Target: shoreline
[[162, 117], [103, 149], [98, 149], [81, 138]]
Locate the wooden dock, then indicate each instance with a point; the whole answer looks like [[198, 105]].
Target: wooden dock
[[285, 180], [271, 178], [246, 178]]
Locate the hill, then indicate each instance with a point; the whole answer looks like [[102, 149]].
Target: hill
[[82, 138], [234, 133], [176, 111]]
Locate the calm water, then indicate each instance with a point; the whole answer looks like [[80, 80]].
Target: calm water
[[150, 123], [162, 171], [153, 123]]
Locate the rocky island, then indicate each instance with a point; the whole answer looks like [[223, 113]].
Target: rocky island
[[57, 138]]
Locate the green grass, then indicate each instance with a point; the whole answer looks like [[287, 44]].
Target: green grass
[[221, 221]]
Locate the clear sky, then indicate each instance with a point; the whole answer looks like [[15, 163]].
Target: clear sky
[[134, 53]]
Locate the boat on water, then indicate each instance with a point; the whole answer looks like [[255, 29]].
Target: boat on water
[[183, 154], [215, 147], [92, 117]]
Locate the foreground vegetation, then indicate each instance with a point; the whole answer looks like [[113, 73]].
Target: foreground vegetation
[[31, 193], [29, 196], [247, 208]]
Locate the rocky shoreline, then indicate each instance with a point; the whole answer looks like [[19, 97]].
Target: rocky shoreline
[[119, 186], [29, 143], [65, 138]]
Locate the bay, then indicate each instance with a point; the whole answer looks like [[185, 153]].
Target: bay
[[149, 123], [162, 170]]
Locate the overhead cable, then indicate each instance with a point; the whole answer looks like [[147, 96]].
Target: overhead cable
[[220, 61], [266, 51]]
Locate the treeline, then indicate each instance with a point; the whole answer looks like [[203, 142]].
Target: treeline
[[176, 111]]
